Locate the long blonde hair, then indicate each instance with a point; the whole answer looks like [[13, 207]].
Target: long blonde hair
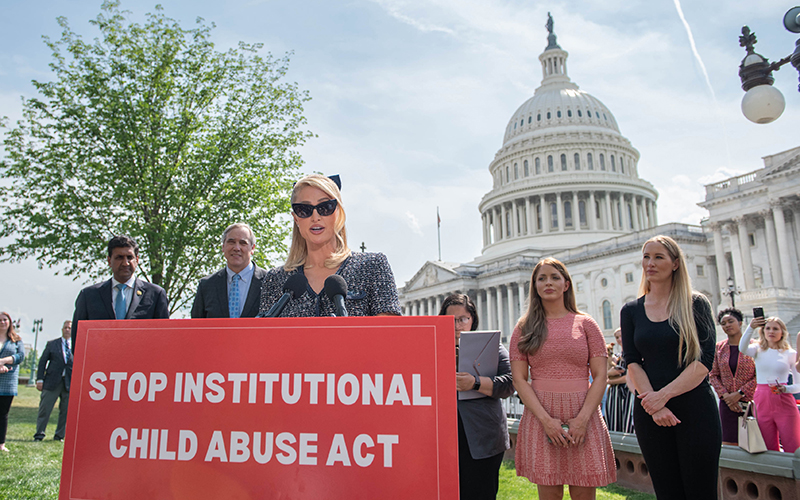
[[680, 302], [299, 250], [533, 324], [783, 343]]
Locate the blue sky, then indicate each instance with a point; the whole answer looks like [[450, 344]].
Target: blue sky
[[410, 100]]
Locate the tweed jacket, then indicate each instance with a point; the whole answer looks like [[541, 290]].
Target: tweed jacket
[[723, 381], [8, 380]]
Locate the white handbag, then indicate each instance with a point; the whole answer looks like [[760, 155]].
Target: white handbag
[[750, 438]]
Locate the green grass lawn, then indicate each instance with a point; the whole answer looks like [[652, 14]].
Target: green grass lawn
[[32, 470]]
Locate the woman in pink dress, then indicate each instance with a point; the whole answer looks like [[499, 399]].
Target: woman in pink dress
[[562, 436]]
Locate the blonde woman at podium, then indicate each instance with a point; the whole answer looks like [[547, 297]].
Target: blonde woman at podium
[[482, 428], [321, 274]]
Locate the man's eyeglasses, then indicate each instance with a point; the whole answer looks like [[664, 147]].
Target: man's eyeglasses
[[324, 209], [464, 319]]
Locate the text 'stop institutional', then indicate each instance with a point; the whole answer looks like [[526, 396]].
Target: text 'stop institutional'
[[566, 184]]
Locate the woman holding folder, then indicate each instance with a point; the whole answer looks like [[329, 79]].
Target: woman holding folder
[[482, 430]]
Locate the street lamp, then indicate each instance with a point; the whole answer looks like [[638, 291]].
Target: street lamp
[[763, 103], [37, 327], [732, 291]]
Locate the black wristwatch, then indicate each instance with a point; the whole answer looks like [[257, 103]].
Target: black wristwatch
[[741, 392], [477, 384]]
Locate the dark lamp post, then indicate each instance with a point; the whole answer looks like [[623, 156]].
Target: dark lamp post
[[731, 291], [763, 103]]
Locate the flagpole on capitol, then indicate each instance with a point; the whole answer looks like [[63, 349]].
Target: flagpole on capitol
[[439, 232]]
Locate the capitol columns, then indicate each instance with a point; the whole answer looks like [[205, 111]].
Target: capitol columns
[[522, 304], [529, 216], [489, 310], [559, 212], [783, 244], [772, 249], [479, 303], [499, 298], [510, 290], [576, 213], [592, 212], [747, 258], [609, 212], [719, 255], [514, 219]]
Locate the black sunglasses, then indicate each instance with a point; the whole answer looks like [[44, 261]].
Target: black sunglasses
[[324, 209]]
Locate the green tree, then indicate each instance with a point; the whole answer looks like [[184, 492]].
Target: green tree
[[150, 131]]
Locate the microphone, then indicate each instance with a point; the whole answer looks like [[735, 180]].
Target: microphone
[[336, 290], [294, 287]]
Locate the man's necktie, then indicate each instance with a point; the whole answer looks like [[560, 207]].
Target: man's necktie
[[233, 299], [121, 308]]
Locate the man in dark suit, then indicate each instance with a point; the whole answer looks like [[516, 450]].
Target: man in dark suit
[[52, 379], [124, 296], [234, 290]]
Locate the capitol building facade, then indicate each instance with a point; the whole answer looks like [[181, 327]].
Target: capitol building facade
[[566, 185]]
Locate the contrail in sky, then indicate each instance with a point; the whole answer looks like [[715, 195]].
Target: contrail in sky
[[705, 74], [694, 47]]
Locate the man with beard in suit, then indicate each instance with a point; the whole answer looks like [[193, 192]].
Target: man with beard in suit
[[124, 296], [52, 379], [234, 290]]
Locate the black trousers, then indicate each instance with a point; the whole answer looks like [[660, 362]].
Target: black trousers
[[5, 406], [683, 460], [477, 479]]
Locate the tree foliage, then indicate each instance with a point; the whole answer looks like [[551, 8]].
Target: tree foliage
[[150, 131]]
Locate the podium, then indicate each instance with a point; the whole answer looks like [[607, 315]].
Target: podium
[[283, 408]]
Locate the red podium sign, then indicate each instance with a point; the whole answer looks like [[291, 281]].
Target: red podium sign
[[304, 408]]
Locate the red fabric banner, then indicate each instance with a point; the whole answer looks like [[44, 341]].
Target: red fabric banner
[[301, 408]]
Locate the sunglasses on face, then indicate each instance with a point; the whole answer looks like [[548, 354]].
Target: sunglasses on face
[[324, 209]]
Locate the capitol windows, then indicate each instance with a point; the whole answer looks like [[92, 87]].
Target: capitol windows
[[525, 168], [569, 113], [607, 323], [567, 214], [628, 277], [579, 113], [577, 161], [553, 216], [563, 162], [538, 165], [516, 171], [701, 271], [604, 117], [522, 122], [550, 163], [548, 115], [539, 117], [508, 175], [589, 161], [558, 113], [582, 212], [598, 114], [621, 165], [613, 165], [529, 119], [602, 162]]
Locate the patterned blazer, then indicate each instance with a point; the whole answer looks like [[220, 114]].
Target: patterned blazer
[[723, 381]]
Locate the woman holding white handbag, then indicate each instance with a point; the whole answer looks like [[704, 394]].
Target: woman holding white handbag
[[776, 409]]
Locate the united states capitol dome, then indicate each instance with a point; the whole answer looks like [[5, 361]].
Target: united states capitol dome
[[565, 175]]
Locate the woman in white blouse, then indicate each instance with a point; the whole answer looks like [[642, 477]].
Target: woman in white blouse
[[775, 406]]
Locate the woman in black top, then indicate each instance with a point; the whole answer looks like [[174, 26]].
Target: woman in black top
[[668, 338]]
